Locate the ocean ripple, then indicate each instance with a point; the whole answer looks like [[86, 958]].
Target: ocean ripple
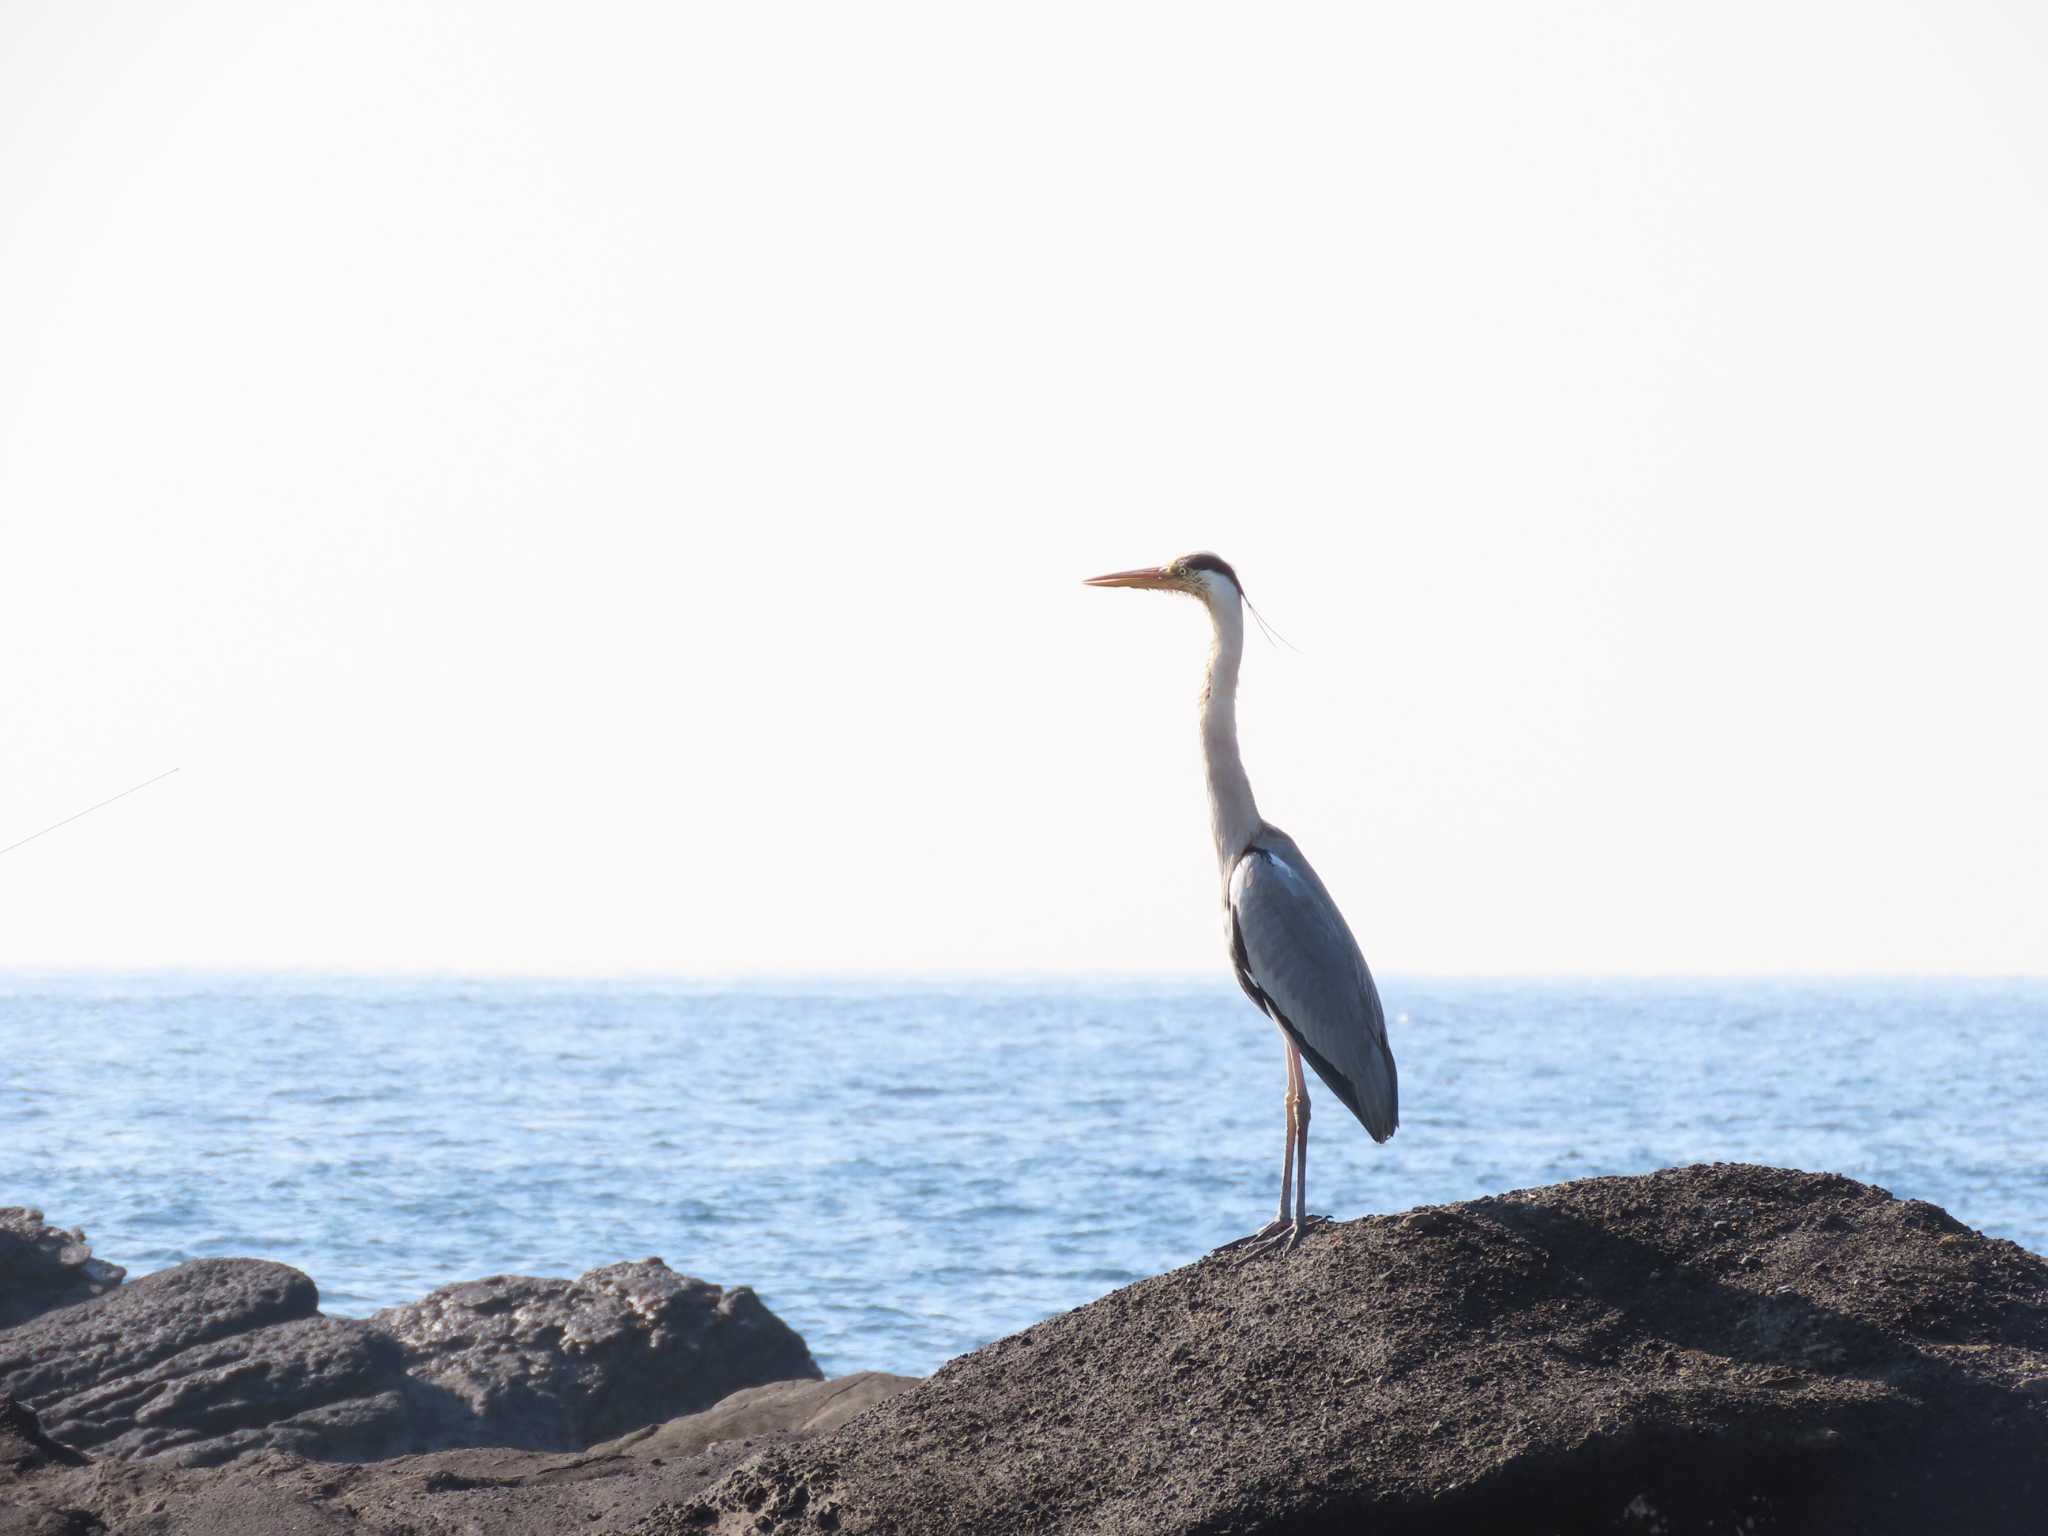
[[906, 1171]]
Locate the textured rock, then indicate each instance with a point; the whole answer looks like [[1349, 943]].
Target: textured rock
[[43, 1267], [206, 1360], [780, 1408], [219, 1358], [560, 1364], [87, 1348], [1705, 1349], [25, 1446], [320, 1386], [503, 1492]]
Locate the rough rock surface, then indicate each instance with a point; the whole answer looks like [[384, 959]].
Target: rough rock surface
[[502, 1492], [1718, 1348], [24, 1446], [219, 1358], [206, 1360], [43, 1267], [780, 1408], [559, 1364]]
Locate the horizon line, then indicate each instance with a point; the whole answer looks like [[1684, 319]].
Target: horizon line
[[1126, 975]]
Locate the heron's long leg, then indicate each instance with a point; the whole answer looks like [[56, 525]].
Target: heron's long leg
[[1293, 1136], [1287, 1229], [1298, 1089], [1281, 1225]]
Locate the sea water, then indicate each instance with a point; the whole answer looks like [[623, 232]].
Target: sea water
[[906, 1170]]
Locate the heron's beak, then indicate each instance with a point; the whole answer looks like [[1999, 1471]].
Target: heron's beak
[[1151, 576]]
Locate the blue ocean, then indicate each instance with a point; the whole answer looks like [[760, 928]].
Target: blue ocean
[[906, 1170]]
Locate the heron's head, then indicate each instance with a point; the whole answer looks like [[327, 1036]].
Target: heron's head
[[1202, 575]]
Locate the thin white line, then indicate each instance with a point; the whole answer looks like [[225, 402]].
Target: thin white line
[[53, 826]]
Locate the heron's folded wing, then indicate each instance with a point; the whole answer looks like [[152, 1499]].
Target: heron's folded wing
[[1295, 947]]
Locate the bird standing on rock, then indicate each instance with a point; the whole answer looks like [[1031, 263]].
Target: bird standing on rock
[[1291, 948]]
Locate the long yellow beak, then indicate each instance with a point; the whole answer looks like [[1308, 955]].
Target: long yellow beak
[[1150, 576]]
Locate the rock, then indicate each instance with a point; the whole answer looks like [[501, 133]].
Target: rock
[[220, 1358], [207, 1360], [24, 1446], [780, 1408], [44, 1267], [91, 1346], [1594, 1356], [324, 1387], [26, 1450], [504, 1492], [561, 1364]]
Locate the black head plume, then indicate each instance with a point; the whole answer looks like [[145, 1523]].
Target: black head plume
[[1204, 561]]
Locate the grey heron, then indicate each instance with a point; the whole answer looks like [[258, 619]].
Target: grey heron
[[1291, 948]]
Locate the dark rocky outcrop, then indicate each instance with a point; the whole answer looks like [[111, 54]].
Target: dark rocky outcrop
[[25, 1445], [782, 1408], [558, 1364], [219, 1358], [44, 1267], [610, 1487], [205, 1361], [1705, 1349]]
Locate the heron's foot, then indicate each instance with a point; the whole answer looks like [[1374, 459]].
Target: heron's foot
[[1277, 1227], [1280, 1235], [1276, 1238]]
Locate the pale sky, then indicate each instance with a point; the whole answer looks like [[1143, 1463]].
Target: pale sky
[[596, 488]]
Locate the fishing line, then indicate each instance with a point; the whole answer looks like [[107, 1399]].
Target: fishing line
[[53, 826]]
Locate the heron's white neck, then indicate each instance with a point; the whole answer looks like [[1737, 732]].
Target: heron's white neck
[[1233, 814]]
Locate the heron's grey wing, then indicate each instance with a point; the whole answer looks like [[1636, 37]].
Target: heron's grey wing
[[1296, 957]]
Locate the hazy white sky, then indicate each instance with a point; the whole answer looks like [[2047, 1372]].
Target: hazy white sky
[[606, 487]]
